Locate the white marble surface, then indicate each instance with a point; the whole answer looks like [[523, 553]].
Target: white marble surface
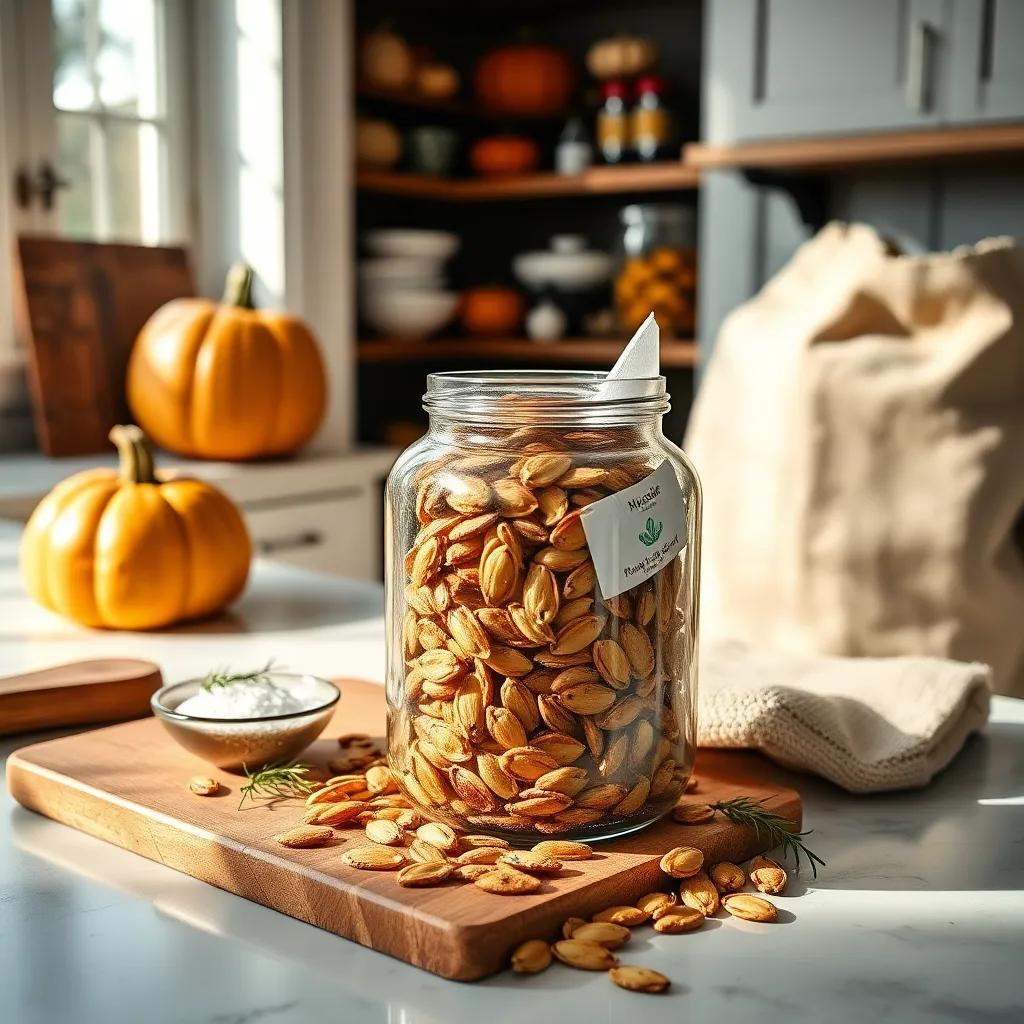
[[919, 915]]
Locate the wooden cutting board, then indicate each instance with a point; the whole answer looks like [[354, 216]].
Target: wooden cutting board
[[80, 306], [127, 784], [78, 693]]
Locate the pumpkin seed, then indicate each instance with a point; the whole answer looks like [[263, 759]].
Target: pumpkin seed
[[508, 882], [531, 957], [374, 858], [639, 979], [422, 875], [585, 956], [682, 862], [750, 908]]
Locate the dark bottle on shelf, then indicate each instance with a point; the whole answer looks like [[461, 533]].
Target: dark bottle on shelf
[[613, 123]]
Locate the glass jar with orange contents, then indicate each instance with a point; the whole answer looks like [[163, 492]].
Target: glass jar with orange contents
[[659, 267], [543, 551]]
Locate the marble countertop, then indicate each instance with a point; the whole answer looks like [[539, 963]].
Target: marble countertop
[[919, 915]]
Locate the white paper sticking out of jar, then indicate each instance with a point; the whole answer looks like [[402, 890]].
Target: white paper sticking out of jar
[[640, 360]]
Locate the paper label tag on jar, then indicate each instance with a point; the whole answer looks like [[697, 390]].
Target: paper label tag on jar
[[636, 531]]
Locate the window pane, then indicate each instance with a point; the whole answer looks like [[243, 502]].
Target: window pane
[[75, 204], [109, 67], [127, 62], [72, 84], [125, 207]]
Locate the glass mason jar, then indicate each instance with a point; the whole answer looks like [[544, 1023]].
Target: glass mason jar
[[541, 675], [659, 267]]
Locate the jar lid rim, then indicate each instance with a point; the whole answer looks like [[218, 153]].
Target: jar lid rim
[[637, 211], [513, 394]]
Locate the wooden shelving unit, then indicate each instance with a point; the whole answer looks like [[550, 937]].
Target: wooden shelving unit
[[848, 152], [567, 352], [660, 177]]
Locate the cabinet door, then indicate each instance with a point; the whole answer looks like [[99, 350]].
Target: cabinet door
[[340, 535], [987, 61], [805, 67]]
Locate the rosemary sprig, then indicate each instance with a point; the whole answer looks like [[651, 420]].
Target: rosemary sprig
[[276, 781], [224, 677], [746, 811]]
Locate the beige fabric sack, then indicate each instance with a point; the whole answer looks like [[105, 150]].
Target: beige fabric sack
[[860, 437]]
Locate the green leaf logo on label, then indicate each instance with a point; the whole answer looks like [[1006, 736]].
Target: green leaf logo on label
[[651, 533]]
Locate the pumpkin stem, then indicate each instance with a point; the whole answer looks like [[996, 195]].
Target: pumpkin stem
[[135, 454], [238, 287]]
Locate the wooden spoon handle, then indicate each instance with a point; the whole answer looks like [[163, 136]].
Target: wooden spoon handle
[[78, 693]]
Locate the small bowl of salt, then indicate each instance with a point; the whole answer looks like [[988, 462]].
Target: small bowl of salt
[[246, 719]]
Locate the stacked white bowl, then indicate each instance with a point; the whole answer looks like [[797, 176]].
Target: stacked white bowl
[[402, 282]]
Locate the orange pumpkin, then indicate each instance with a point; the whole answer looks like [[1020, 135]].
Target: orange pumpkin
[[132, 551], [226, 381], [499, 155], [492, 311], [525, 79]]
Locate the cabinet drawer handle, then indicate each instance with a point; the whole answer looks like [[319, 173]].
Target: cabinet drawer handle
[[921, 66], [291, 542]]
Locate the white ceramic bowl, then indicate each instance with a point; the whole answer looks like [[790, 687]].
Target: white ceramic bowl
[[403, 313], [402, 272], [567, 271], [435, 245]]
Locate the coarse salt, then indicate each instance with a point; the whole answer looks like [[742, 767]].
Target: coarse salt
[[257, 698]]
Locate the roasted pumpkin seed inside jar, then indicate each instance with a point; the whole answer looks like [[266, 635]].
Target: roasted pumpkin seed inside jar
[[543, 545]]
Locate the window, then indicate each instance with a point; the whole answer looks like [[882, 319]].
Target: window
[[110, 95], [93, 127]]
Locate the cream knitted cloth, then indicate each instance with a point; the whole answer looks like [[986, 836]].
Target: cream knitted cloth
[[867, 724]]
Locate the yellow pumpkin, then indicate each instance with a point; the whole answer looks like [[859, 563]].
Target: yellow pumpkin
[[131, 551], [378, 143], [437, 81], [386, 61], [226, 381]]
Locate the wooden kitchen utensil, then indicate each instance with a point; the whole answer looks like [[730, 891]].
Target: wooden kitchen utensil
[[78, 693], [80, 306], [129, 785]]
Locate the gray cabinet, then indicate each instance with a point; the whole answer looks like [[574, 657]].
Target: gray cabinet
[[808, 67], [778, 68], [746, 235], [986, 61]]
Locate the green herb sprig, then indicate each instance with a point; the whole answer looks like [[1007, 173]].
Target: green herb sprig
[[746, 811], [275, 781], [224, 677]]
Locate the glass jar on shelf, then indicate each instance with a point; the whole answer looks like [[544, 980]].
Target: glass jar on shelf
[[543, 558], [659, 267]]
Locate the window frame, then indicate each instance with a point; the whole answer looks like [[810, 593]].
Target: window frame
[[28, 135], [172, 103]]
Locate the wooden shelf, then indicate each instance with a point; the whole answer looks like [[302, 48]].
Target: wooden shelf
[[837, 153], [568, 351], [823, 153], [660, 177]]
